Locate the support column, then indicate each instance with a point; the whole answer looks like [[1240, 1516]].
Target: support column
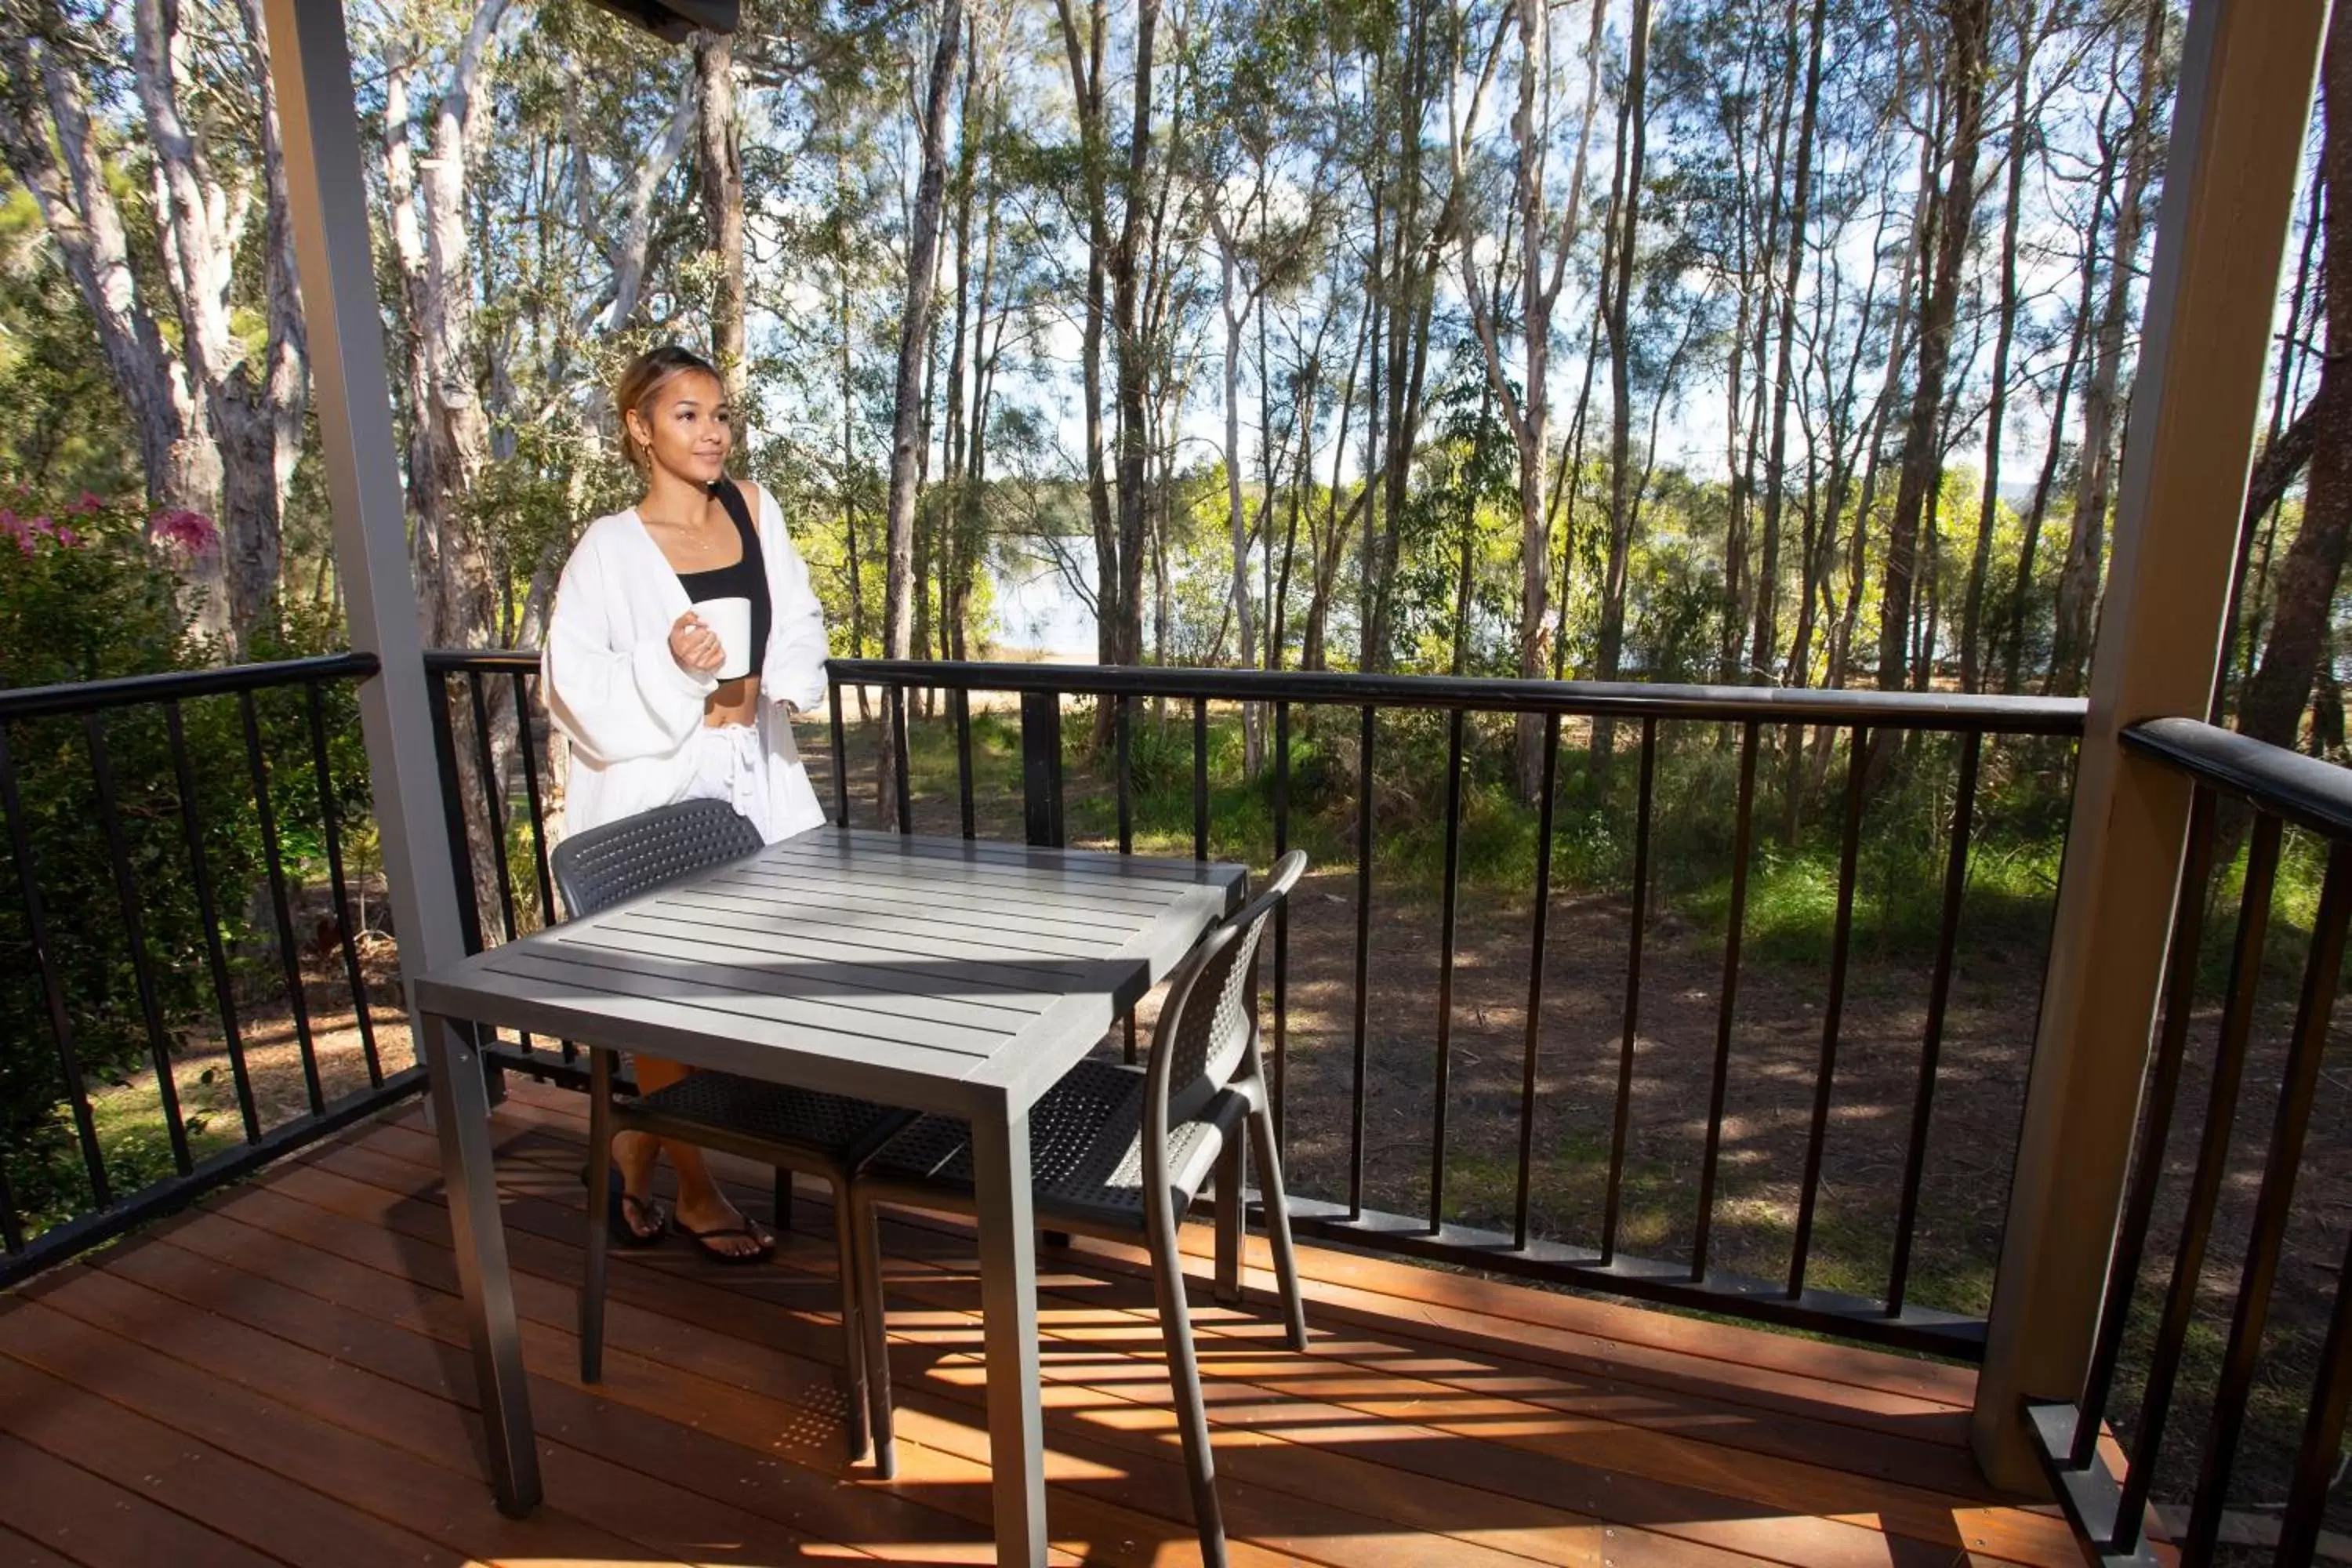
[[2238, 127]]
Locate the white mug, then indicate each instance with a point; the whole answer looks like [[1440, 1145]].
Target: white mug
[[730, 620]]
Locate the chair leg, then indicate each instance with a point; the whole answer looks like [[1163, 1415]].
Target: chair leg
[[853, 1334], [1184, 1379], [1233, 1176], [873, 1319], [782, 1209], [1276, 1203], [600, 1182]]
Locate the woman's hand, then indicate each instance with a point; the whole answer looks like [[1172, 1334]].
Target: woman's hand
[[695, 647]]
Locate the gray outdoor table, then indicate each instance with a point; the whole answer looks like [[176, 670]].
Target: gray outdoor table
[[933, 973]]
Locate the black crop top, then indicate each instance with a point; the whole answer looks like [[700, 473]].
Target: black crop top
[[745, 578]]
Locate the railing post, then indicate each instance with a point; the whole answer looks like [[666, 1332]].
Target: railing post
[[2238, 129], [1041, 766]]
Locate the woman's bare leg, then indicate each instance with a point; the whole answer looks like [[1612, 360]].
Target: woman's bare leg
[[700, 1204]]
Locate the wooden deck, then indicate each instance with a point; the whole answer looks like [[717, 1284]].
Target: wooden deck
[[280, 1377]]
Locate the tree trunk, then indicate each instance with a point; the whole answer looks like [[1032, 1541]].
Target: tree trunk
[[719, 165], [1125, 612], [1331, 551], [2102, 395], [1624, 207], [42, 118], [1969, 23], [971, 518], [2281, 687], [914, 339], [1768, 576], [849, 477], [2037, 508], [1085, 63], [2275, 470], [1236, 312], [1973, 662]]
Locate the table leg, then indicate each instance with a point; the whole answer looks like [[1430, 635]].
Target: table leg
[[1008, 1286], [461, 1110]]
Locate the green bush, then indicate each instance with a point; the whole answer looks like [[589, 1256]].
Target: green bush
[[87, 593]]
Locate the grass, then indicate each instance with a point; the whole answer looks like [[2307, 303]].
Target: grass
[[1794, 873], [135, 1140]]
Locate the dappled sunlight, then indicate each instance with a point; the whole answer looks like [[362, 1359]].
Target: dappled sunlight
[[1416, 1426]]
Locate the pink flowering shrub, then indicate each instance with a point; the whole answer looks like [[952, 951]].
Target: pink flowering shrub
[[190, 532], [83, 593], [29, 532]]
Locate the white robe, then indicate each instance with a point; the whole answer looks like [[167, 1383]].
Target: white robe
[[630, 714]]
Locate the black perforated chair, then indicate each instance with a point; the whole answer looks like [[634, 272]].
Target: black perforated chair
[[823, 1135], [1122, 1153]]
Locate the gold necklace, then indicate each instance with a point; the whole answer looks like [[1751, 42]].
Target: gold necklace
[[691, 532]]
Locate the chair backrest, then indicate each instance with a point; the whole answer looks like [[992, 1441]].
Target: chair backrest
[[603, 866], [1209, 1027]]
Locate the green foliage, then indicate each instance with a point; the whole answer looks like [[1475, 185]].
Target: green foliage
[[1903, 847], [62, 425], [83, 596]]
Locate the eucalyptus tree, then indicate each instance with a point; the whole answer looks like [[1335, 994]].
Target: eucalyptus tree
[[184, 99], [1266, 187], [1617, 285], [2277, 694], [1548, 236], [1959, 47], [2132, 140]]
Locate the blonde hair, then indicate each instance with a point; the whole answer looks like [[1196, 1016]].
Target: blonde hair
[[642, 382]]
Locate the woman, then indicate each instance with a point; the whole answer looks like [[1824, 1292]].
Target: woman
[[632, 683]]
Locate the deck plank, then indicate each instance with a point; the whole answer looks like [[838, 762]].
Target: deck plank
[[1916, 1441], [705, 1327], [66, 1508], [1687, 1477], [15, 1551], [285, 1366], [212, 1485]]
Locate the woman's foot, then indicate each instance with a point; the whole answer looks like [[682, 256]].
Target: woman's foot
[[634, 1154], [720, 1228]]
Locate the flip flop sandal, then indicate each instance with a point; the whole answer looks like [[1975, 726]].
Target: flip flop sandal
[[621, 1209], [702, 1240]]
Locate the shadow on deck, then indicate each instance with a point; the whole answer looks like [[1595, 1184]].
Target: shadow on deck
[[280, 1376]]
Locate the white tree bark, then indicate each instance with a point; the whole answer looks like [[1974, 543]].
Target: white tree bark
[[630, 251], [43, 101], [1237, 305], [1546, 239], [914, 337], [450, 437], [254, 411]]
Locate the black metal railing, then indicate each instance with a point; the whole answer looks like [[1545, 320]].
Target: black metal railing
[[468, 679], [2143, 1373], [485, 708], [1602, 1263], [114, 855]]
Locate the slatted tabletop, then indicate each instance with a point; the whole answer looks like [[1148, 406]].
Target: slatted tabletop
[[937, 973], [929, 973]]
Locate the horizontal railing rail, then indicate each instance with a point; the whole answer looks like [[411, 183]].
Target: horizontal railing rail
[[1793, 1301], [1768, 705], [2109, 1503], [179, 685], [2300, 790], [135, 865]]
